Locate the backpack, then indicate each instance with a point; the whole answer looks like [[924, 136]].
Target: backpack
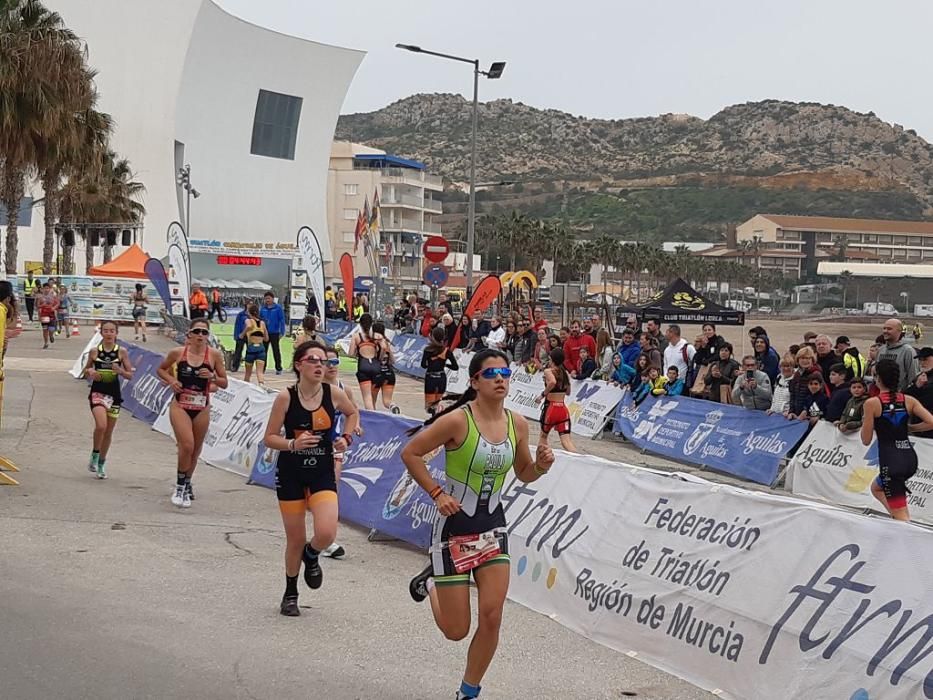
[[691, 374]]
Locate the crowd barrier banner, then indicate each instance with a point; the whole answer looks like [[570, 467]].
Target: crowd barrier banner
[[239, 415], [408, 350], [730, 439], [839, 468], [747, 595], [144, 395], [336, 330], [376, 490]]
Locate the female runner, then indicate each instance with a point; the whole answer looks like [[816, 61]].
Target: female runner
[[435, 359], [305, 477], [385, 382], [483, 442], [105, 365], [192, 371], [256, 335], [365, 349], [887, 416], [139, 301], [554, 413]]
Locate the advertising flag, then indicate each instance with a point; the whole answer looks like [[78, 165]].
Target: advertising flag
[[310, 250], [155, 271], [485, 293], [346, 274]]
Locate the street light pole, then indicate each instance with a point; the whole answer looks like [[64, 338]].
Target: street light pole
[[494, 72], [184, 179]]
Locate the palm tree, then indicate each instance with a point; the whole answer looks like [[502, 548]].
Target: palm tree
[[38, 59], [845, 279]]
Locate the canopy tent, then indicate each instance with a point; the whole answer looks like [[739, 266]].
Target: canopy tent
[[130, 263], [681, 303], [253, 285]]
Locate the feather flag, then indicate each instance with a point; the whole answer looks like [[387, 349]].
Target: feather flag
[[346, 274], [485, 293]]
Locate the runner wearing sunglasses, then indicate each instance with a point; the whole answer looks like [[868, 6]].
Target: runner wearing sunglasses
[[105, 365], [483, 442], [192, 371], [305, 475]]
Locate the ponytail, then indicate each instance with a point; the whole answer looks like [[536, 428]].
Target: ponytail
[[462, 401]]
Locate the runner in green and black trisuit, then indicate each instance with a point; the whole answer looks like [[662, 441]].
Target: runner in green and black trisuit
[[105, 365], [483, 443]]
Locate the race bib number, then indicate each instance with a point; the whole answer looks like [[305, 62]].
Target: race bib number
[[469, 551], [44, 319], [192, 400], [105, 400]]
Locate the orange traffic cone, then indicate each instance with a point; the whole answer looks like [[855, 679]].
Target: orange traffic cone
[[74, 328]]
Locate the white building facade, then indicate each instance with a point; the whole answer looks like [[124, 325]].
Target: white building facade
[[408, 201], [252, 111]]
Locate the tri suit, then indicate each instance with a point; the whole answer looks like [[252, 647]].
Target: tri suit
[[434, 363], [255, 346], [304, 476], [555, 415], [386, 370], [475, 536], [106, 390], [195, 391], [897, 459], [368, 369]]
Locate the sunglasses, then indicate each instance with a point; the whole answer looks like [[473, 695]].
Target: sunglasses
[[314, 361], [199, 331], [493, 372]]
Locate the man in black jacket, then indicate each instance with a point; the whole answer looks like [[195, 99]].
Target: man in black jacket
[[839, 378], [921, 388]]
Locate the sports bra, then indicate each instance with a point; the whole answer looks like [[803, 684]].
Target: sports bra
[[256, 330], [193, 387]]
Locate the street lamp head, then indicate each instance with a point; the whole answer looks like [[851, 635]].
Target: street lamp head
[[409, 47], [495, 70], [195, 193]]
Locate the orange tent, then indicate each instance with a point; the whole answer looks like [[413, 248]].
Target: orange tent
[[130, 263]]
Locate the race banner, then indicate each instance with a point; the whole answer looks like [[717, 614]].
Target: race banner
[[180, 288], [145, 395], [408, 351], [376, 490], [310, 249], [730, 439], [747, 595], [239, 415], [837, 467]]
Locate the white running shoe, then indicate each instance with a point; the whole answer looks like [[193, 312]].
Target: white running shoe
[[334, 551], [101, 471], [178, 496], [186, 499]]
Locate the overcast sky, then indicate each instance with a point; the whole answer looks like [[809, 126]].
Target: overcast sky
[[628, 58]]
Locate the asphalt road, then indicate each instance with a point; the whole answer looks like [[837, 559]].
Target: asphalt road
[[108, 591]]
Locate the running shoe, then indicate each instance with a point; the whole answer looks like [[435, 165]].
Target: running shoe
[[178, 495], [335, 551], [314, 576], [101, 471], [92, 465], [418, 588], [395, 409], [189, 490], [185, 499], [289, 606]]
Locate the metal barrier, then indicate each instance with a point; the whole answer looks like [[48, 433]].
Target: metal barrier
[[177, 327]]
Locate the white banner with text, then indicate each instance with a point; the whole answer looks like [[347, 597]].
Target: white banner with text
[[839, 468], [748, 595]]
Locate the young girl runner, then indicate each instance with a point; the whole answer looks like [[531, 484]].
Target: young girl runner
[[385, 382], [435, 359], [887, 416], [305, 475], [308, 330], [105, 365], [191, 371], [365, 349], [554, 413], [256, 336], [139, 301], [483, 443]]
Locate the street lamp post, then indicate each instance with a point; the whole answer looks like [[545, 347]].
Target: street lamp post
[[494, 72], [184, 179]]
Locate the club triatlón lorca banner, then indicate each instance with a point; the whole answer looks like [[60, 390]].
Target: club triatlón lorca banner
[[750, 595], [839, 468]]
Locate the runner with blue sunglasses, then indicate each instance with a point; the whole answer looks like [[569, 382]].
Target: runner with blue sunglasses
[[483, 442]]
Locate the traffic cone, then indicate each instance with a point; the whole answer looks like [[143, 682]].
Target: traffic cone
[[19, 323], [74, 328]]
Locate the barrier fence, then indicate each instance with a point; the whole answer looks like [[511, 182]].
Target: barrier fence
[[709, 582]]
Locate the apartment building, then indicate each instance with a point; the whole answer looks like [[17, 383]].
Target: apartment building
[[409, 205], [795, 245]]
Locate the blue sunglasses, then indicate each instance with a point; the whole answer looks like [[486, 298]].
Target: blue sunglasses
[[493, 372]]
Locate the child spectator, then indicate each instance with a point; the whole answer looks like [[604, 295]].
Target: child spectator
[[851, 420], [816, 401], [675, 385], [587, 365]]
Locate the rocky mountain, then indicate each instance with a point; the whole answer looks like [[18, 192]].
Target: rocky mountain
[[668, 174]]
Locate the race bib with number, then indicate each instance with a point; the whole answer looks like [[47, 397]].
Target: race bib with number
[[44, 319], [192, 400], [105, 400], [469, 551]]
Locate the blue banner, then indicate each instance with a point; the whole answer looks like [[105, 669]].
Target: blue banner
[[375, 489], [730, 439], [144, 395], [336, 330], [408, 351]]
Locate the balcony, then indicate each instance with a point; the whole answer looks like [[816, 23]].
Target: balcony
[[433, 205], [405, 200], [431, 227]]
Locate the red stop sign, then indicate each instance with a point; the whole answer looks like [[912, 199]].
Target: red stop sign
[[436, 249]]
